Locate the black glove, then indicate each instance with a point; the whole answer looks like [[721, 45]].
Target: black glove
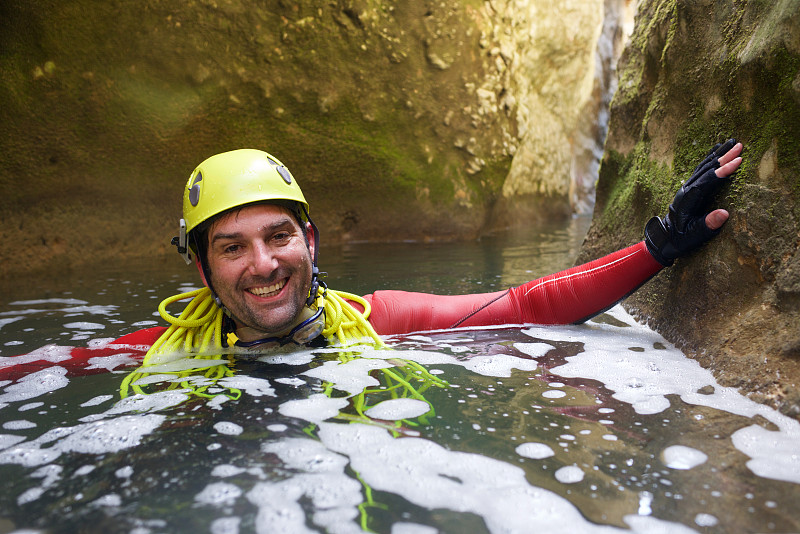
[[684, 228]]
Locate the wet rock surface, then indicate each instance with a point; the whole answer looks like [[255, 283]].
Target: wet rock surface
[[400, 120], [693, 74]]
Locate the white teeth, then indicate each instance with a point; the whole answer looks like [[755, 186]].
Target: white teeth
[[267, 290]]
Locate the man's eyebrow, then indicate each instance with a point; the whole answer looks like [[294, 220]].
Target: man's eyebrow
[[277, 225]]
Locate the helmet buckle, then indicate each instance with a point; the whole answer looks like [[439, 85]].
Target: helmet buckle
[[181, 243]]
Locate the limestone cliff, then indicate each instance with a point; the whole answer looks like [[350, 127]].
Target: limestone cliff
[[399, 119], [696, 72]]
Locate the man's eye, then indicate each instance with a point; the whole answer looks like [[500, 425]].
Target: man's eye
[[230, 249], [282, 236]]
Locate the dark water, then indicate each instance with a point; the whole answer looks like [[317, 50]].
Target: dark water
[[599, 427]]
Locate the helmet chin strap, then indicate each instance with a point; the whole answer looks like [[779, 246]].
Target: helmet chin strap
[[312, 293]]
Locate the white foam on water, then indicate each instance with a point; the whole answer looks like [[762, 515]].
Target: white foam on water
[[227, 470], [397, 409], [495, 365], [706, 520], [144, 324], [39, 302], [316, 408], [569, 474], [20, 424], [321, 479], [291, 381], [352, 376], [85, 470], [9, 440], [91, 310], [681, 457], [124, 472], [97, 437], [94, 401], [228, 428], [535, 350], [225, 525], [35, 384], [535, 451], [9, 320], [109, 363], [153, 402], [110, 500], [645, 378], [553, 394], [48, 353], [255, 387], [774, 455], [412, 528], [219, 494], [428, 475], [83, 325]]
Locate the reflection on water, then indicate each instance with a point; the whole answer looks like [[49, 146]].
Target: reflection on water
[[598, 427]]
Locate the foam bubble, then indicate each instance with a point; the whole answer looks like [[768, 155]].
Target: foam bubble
[[100, 399], [352, 377], [535, 451], [219, 494], [109, 363], [569, 474], [397, 409], [83, 325], [681, 457], [20, 424], [226, 470], [706, 520], [226, 427]]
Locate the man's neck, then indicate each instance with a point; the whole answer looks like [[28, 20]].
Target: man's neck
[[247, 333]]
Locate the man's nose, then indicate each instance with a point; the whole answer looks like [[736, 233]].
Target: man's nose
[[262, 261]]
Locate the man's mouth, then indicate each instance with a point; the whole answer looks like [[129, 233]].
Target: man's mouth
[[267, 291]]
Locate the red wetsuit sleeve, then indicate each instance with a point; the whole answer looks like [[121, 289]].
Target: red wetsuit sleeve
[[130, 347], [568, 297]]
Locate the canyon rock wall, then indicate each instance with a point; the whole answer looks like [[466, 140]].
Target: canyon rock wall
[[695, 73], [401, 120]]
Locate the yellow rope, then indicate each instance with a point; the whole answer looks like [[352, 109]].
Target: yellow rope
[[198, 329]]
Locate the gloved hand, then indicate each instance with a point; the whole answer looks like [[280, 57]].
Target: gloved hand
[[684, 227]]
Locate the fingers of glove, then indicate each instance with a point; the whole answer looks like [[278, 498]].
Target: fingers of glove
[[720, 150], [711, 155], [712, 164], [716, 152]]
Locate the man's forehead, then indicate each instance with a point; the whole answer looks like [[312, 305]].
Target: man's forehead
[[264, 215]]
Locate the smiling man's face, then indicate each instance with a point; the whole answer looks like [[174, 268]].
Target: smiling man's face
[[260, 267]]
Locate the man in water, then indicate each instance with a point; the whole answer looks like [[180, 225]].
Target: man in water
[[246, 227]]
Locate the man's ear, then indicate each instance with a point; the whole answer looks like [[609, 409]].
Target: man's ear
[[311, 238], [200, 270]]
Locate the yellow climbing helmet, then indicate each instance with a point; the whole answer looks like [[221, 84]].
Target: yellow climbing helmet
[[233, 179]]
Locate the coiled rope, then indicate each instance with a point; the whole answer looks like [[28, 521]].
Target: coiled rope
[[198, 330]]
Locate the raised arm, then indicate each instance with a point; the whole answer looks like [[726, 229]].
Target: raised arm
[[579, 293]]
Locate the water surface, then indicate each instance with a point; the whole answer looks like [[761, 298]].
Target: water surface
[[601, 427]]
